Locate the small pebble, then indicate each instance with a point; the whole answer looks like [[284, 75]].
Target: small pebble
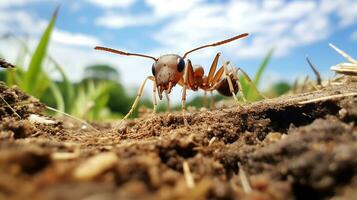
[[342, 113], [95, 165], [33, 118], [64, 155], [273, 137]]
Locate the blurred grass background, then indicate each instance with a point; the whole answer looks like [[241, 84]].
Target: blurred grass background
[[99, 95]]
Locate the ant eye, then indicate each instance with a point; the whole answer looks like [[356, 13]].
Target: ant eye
[[180, 64], [153, 69]]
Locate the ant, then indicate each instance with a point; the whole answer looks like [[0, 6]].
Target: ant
[[171, 69]]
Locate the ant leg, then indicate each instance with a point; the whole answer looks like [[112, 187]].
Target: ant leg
[[168, 101], [184, 96], [154, 96], [240, 88], [136, 102], [205, 100], [213, 68], [212, 101], [187, 81], [251, 82]]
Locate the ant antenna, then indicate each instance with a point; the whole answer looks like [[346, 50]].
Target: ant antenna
[[123, 53], [217, 43]]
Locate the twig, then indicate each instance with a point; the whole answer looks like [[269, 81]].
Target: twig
[[314, 69], [329, 97], [211, 141], [8, 105], [244, 180], [344, 54], [304, 83], [295, 85], [188, 176], [73, 117], [5, 64]]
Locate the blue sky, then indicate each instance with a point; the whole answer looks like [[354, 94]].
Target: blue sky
[[294, 28]]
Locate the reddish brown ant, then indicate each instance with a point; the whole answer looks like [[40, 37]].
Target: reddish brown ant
[[170, 69]]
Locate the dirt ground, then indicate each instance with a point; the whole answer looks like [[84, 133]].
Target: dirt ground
[[283, 148]]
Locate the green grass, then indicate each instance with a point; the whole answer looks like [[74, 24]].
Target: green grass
[[250, 90], [35, 81]]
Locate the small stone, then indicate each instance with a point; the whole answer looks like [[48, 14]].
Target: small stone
[[95, 165], [33, 118], [64, 155], [273, 136], [342, 113], [7, 135], [203, 109]]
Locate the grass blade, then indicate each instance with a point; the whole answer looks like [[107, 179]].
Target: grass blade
[[56, 92], [68, 87], [262, 67], [252, 94], [35, 68]]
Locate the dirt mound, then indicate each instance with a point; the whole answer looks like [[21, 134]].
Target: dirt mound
[[283, 148]]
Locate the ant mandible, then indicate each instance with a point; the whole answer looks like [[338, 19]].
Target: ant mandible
[[170, 69]]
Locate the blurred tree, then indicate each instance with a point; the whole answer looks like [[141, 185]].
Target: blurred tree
[[278, 89], [101, 72], [119, 101], [281, 88], [198, 100]]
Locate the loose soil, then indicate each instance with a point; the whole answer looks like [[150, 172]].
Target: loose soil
[[285, 149]]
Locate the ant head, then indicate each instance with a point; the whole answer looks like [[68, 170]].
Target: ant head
[[168, 70]]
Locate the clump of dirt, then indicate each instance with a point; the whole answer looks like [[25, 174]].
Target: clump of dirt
[[283, 148], [15, 103]]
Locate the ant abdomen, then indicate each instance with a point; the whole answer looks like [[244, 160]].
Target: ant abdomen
[[223, 87]]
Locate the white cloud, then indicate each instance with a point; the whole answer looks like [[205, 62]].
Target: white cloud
[[75, 6], [112, 3], [111, 20], [272, 23], [75, 39], [165, 8], [8, 3], [161, 9], [24, 23], [347, 12], [20, 22]]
